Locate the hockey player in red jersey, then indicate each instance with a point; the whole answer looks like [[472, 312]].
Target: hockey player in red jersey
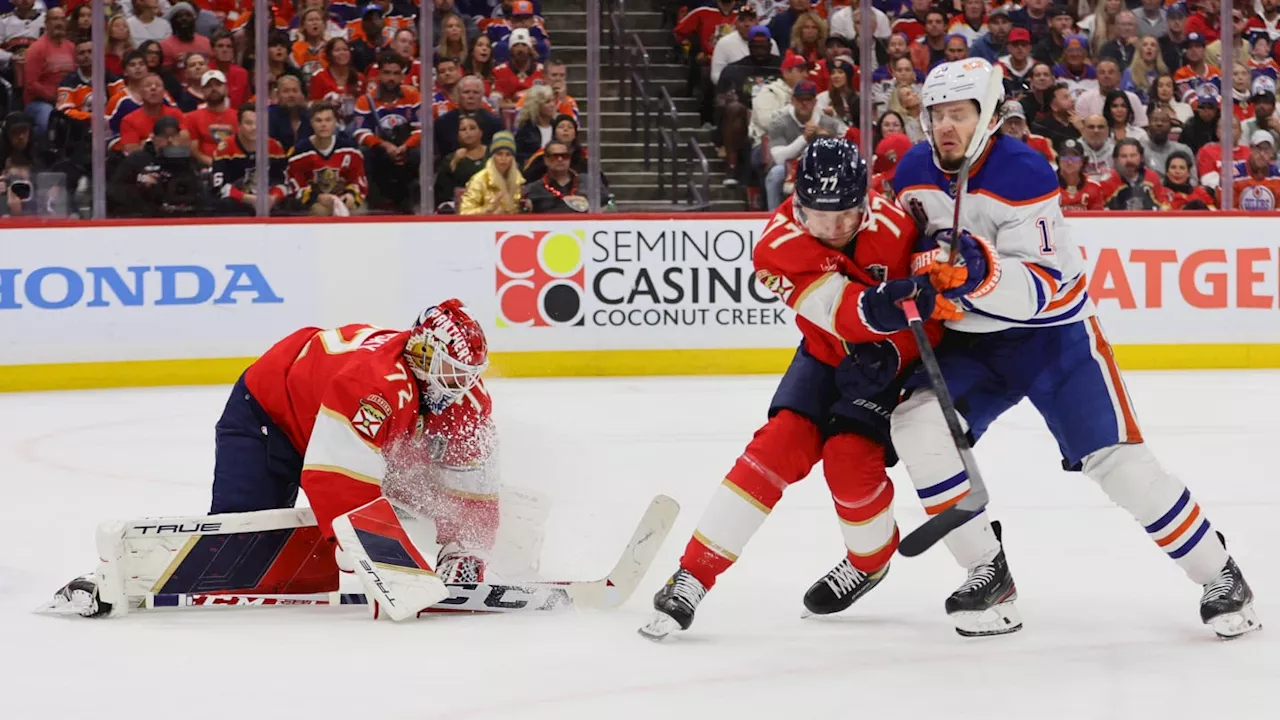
[[340, 412], [840, 257]]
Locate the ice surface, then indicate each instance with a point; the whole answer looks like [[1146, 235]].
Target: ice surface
[[1111, 624]]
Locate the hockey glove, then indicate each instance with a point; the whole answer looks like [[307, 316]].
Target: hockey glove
[[881, 306], [867, 369], [974, 273]]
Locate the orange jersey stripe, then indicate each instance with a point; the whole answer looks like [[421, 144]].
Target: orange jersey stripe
[[1172, 537], [1045, 276], [1132, 433], [1071, 295]]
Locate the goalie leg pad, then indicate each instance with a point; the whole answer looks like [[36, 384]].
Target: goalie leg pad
[[781, 453], [1132, 477], [391, 568]]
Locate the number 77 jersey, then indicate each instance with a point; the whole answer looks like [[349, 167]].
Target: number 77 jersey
[[824, 285]]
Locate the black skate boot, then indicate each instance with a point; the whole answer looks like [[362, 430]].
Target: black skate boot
[[1227, 604], [675, 604], [840, 588], [983, 605]]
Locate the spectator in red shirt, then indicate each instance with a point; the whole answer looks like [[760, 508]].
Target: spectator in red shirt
[[1078, 191], [48, 60], [136, 127], [1205, 21], [512, 78], [1181, 194], [212, 122], [184, 40], [224, 60]]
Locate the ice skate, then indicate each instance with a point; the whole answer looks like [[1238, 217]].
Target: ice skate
[[983, 605], [675, 605], [840, 588], [1227, 604], [458, 566]]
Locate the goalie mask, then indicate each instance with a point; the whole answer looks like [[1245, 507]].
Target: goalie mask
[[448, 353]]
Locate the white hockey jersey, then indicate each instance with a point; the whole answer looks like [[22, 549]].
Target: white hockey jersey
[[1012, 201]]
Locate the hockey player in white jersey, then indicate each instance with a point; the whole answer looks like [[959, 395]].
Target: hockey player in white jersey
[[1028, 331]]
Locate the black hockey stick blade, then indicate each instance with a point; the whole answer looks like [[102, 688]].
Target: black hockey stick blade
[[938, 526]]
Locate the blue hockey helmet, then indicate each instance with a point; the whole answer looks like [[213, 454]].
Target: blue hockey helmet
[[832, 176]]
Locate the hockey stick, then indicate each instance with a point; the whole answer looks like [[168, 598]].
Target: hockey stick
[[604, 594], [973, 502]]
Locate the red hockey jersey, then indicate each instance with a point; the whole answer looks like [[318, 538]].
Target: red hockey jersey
[[1086, 196], [336, 171], [349, 405], [824, 285]]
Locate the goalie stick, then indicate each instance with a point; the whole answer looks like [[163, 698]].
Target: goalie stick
[[937, 527], [606, 593]]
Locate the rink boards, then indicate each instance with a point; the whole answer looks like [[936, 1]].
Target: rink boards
[[111, 305]]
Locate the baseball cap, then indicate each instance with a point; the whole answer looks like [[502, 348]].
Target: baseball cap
[[1001, 11], [212, 75], [1013, 109], [1075, 41], [180, 7], [1071, 146], [746, 8], [1263, 86], [1259, 137], [792, 61], [757, 31], [167, 122], [1177, 9], [1057, 10], [1194, 38], [371, 7], [1018, 35], [519, 36], [521, 7], [804, 88]]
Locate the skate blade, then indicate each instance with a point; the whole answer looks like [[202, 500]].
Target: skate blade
[[659, 627], [1230, 626], [999, 619]]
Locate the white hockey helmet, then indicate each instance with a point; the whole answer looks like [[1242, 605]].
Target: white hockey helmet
[[970, 79]]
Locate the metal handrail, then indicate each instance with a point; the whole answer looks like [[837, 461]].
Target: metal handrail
[[669, 130], [699, 193], [638, 83]]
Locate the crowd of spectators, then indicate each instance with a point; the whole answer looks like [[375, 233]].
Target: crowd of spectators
[[1123, 97], [345, 91]]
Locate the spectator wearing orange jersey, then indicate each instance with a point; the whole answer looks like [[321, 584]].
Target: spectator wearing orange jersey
[[75, 92], [1196, 71], [1257, 180], [514, 77], [1015, 125], [307, 52], [212, 122]]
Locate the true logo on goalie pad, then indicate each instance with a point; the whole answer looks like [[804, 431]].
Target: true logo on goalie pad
[[372, 414]]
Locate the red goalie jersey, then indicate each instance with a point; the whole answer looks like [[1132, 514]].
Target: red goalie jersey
[[824, 285], [350, 406]]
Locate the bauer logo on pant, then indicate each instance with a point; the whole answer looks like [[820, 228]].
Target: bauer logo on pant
[[372, 413]]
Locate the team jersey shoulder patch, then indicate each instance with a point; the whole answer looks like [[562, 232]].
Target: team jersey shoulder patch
[[371, 415]]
